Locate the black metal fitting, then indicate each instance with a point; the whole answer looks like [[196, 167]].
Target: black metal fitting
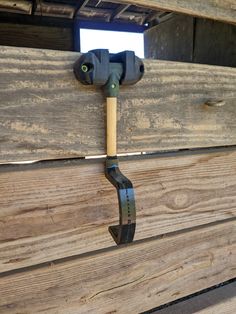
[[98, 67]]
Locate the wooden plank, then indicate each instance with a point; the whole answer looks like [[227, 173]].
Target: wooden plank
[[171, 40], [53, 211], [129, 279], [215, 43], [221, 300], [212, 9], [187, 39], [7, 17], [120, 9], [23, 7], [36, 36], [64, 10], [47, 114], [79, 6]]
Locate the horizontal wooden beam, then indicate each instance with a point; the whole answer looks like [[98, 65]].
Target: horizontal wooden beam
[[7, 17], [120, 9], [23, 6], [63, 10], [110, 26], [36, 36], [220, 10], [80, 5], [60, 209], [187, 39], [129, 279], [46, 113]]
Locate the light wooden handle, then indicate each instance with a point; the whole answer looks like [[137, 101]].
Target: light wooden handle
[[111, 126]]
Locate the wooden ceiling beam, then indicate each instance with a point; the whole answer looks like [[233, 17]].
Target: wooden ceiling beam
[[213, 9], [22, 6], [120, 9], [155, 18], [81, 4], [34, 6]]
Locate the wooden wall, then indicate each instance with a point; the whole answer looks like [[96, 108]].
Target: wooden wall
[[34, 36], [56, 255], [188, 39]]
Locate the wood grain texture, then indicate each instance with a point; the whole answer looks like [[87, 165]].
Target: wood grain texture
[[111, 128], [129, 279], [36, 36], [171, 40], [215, 43], [212, 9], [46, 114], [187, 39], [53, 211], [221, 300], [24, 7]]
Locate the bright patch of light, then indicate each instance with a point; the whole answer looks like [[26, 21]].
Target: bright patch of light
[[114, 41]]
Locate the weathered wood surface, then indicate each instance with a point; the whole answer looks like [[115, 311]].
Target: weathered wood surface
[[53, 211], [24, 7], [212, 9], [36, 36], [215, 43], [45, 113], [187, 39], [171, 40], [221, 300], [129, 279]]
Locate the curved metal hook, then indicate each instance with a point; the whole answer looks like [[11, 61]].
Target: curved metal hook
[[124, 232]]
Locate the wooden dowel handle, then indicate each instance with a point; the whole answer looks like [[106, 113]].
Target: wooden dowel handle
[[111, 126]]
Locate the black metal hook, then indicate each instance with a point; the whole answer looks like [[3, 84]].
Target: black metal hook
[[124, 232]]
